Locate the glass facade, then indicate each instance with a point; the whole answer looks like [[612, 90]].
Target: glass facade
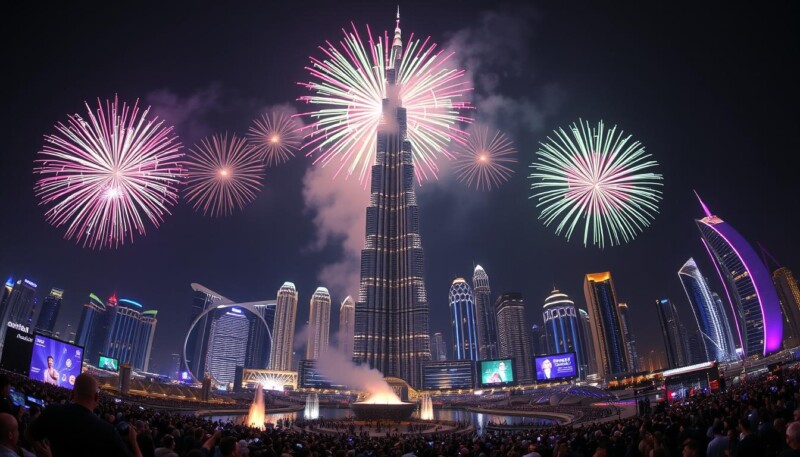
[[513, 334], [227, 344], [446, 375], [610, 346], [563, 328], [485, 315], [280, 358], [673, 333], [463, 322], [49, 312], [319, 324]]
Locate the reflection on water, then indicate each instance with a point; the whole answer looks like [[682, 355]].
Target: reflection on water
[[478, 420]]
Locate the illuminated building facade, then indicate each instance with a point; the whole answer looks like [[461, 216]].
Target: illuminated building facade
[[438, 347], [51, 305], [630, 339], [260, 344], [347, 322], [610, 345], [717, 339], [227, 348], [19, 305], [448, 375], [562, 328], [463, 322], [319, 324], [130, 337], [789, 296], [485, 315], [280, 358], [586, 331], [673, 333], [391, 333], [513, 334]]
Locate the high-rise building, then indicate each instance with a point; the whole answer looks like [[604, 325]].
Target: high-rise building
[[49, 312], [513, 333], [563, 328], [89, 320], [7, 288], [260, 343], [200, 319], [347, 322], [130, 335], [695, 350], [438, 347], [462, 319], [280, 358], [539, 340], [673, 333], [748, 283], [227, 344], [485, 315], [144, 340], [710, 317], [20, 303], [586, 329], [391, 332], [319, 324], [610, 345], [630, 340], [789, 296]]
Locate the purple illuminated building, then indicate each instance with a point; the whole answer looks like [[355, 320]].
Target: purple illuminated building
[[748, 284]]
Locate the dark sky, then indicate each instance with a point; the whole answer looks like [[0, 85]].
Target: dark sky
[[709, 88]]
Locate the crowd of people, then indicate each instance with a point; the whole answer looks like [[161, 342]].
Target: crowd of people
[[756, 418]]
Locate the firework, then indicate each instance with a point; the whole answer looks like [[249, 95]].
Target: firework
[[103, 177], [275, 137], [223, 174], [600, 177], [349, 85], [485, 160]]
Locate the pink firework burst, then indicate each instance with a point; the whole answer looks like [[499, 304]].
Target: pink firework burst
[[276, 137], [104, 176], [486, 160], [223, 174]]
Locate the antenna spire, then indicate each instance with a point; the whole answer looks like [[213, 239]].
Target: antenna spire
[[705, 208]]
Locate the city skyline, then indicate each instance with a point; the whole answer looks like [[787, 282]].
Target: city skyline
[[277, 239]]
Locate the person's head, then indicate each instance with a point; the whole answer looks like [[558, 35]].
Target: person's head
[[49, 361], [547, 365], [690, 448], [9, 430], [501, 366], [793, 435], [168, 441], [85, 392], [228, 447]]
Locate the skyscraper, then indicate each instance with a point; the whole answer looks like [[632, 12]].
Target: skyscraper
[[610, 345], [49, 313], [196, 348], [756, 308], [673, 333], [563, 329], [630, 340], [89, 320], [391, 332], [438, 348], [319, 324], [789, 296], [144, 339], [485, 315], [463, 322], [586, 330], [9, 286], [260, 342], [280, 358], [347, 322], [716, 335], [129, 339], [227, 344], [20, 303], [513, 335], [539, 340]]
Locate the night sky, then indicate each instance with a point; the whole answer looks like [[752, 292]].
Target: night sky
[[710, 89]]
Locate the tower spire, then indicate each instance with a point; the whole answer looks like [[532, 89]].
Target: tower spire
[[705, 208]]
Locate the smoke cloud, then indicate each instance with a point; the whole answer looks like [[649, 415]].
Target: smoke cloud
[[189, 115], [338, 368]]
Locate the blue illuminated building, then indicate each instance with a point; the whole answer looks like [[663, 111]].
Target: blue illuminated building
[[462, 313]]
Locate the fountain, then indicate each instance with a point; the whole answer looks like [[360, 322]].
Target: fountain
[[312, 407], [426, 408], [255, 417]]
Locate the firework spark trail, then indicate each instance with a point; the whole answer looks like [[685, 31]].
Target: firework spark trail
[[599, 176], [485, 159], [275, 137], [223, 174], [104, 177], [349, 86]]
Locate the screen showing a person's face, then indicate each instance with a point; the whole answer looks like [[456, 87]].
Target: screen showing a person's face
[[49, 362]]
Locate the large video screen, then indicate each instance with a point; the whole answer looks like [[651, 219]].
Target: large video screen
[[108, 363], [17, 350], [556, 366], [496, 372], [55, 362]]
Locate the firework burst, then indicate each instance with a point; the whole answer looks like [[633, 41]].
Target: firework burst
[[104, 176], [597, 176], [349, 86], [223, 174], [486, 159], [275, 137]]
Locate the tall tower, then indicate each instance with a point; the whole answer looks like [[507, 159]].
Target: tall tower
[[347, 321], [391, 332], [128, 338], [227, 344], [563, 328], [610, 346], [630, 340], [49, 313], [144, 339], [319, 324], [789, 296], [716, 335], [19, 304], [462, 315], [756, 308], [280, 358], [586, 331], [513, 332], [260, 344], [438, 348], [485, 316], [673, 332]]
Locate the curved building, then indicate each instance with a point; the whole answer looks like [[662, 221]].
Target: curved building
[[610, 345], [462, 312], [319, 323], [716, 335], [280, 358], [563, 328], [748, 283], [485, 315]]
